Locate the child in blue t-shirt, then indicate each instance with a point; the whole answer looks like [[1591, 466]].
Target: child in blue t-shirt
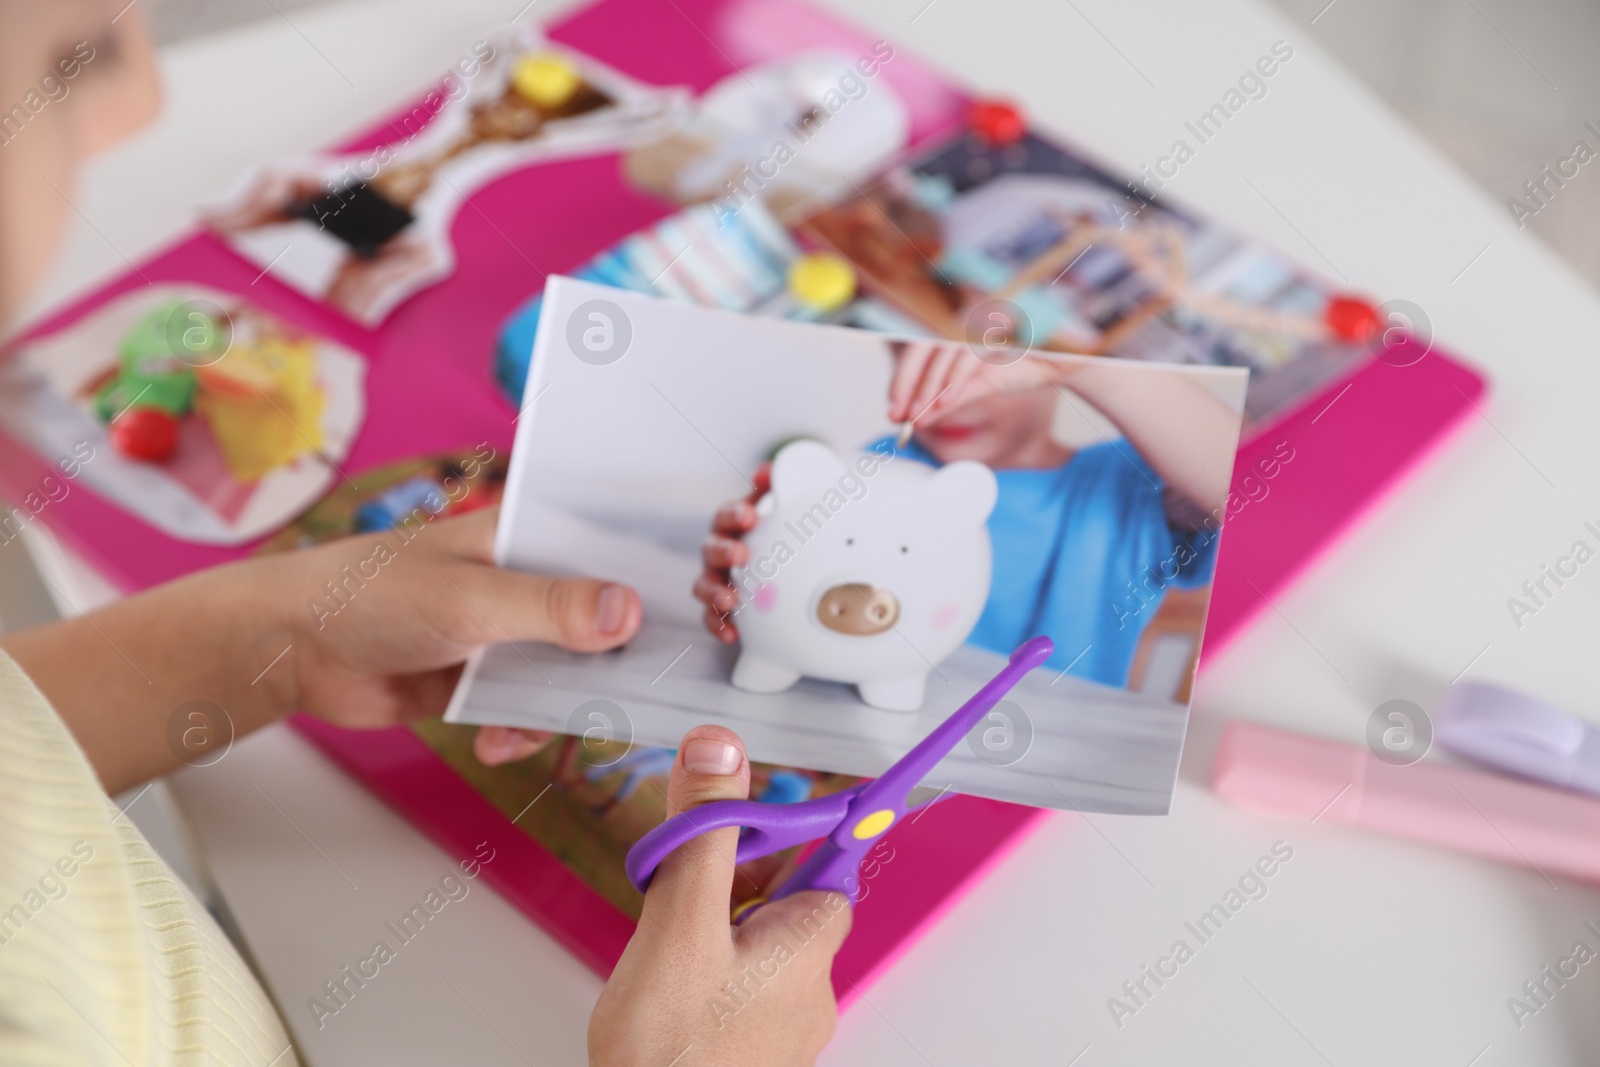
[[1087, 540]]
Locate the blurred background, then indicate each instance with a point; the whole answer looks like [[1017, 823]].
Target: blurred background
[[1499, 86]]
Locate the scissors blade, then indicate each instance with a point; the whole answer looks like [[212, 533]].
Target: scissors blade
[[924, 795], [894, 787]]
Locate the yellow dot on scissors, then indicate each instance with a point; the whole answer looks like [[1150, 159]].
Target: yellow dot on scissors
[[873, 825], [545, 80], [822, 282]]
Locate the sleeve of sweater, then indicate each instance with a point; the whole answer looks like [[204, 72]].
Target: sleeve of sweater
[[105, 956]]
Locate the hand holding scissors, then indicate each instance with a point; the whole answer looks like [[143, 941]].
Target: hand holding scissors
[[851, 821]]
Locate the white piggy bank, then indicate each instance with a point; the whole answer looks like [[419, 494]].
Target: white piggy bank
[[869, 572]]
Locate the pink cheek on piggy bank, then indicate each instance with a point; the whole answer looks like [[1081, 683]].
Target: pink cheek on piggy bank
[[766, 598], [943, 616]]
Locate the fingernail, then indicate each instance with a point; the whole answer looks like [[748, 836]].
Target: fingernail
[[613, 609], [709, 756], [495, 746]]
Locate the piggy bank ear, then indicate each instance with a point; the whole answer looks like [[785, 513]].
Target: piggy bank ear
[[963, 491], [805, 468]]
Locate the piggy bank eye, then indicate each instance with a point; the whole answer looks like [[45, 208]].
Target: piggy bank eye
[[904, 549], [849, 540]]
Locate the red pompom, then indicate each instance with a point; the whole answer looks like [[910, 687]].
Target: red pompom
[[997, 122], [149, 434], [1350, 318]]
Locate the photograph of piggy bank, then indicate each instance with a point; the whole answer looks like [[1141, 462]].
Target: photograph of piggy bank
[[837, 535], [874, 591]]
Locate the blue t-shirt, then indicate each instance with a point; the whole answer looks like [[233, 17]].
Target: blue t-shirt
[[1083, 554]]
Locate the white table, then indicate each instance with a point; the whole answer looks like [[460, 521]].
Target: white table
[[1367, 950]]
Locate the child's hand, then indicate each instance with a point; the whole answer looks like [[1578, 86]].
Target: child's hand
[[933, 377], [724, 550], [367, 631], [393, 651], [754, 995]]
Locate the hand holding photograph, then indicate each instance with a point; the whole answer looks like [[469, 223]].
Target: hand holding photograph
[[839, 535]]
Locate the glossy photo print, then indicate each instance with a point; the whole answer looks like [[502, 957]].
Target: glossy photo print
[[839, 536]]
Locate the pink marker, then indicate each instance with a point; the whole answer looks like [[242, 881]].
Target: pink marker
[[1302, 777]]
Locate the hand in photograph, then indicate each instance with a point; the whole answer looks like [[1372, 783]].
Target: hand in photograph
[[267, 198], [361, 284], [723, 550], [964, 407], [933, 377]]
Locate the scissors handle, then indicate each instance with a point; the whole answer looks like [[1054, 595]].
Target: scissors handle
[[768, 828]]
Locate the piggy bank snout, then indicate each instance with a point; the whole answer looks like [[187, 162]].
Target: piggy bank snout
[[858, 610]]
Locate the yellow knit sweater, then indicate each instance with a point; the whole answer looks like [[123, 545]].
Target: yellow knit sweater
[[105, 956]]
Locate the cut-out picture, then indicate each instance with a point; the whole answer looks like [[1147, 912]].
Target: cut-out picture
[[208, 418], [363, 231], [1085, 262], [780, 132]]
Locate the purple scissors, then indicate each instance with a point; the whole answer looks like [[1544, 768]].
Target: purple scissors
[[852, 820]]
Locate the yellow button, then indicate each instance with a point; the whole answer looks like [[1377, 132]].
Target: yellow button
[[823, 282], [873, 825], [547, 81]]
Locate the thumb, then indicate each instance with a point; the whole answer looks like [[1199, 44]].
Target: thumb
[[694, 885], [578, 614]]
